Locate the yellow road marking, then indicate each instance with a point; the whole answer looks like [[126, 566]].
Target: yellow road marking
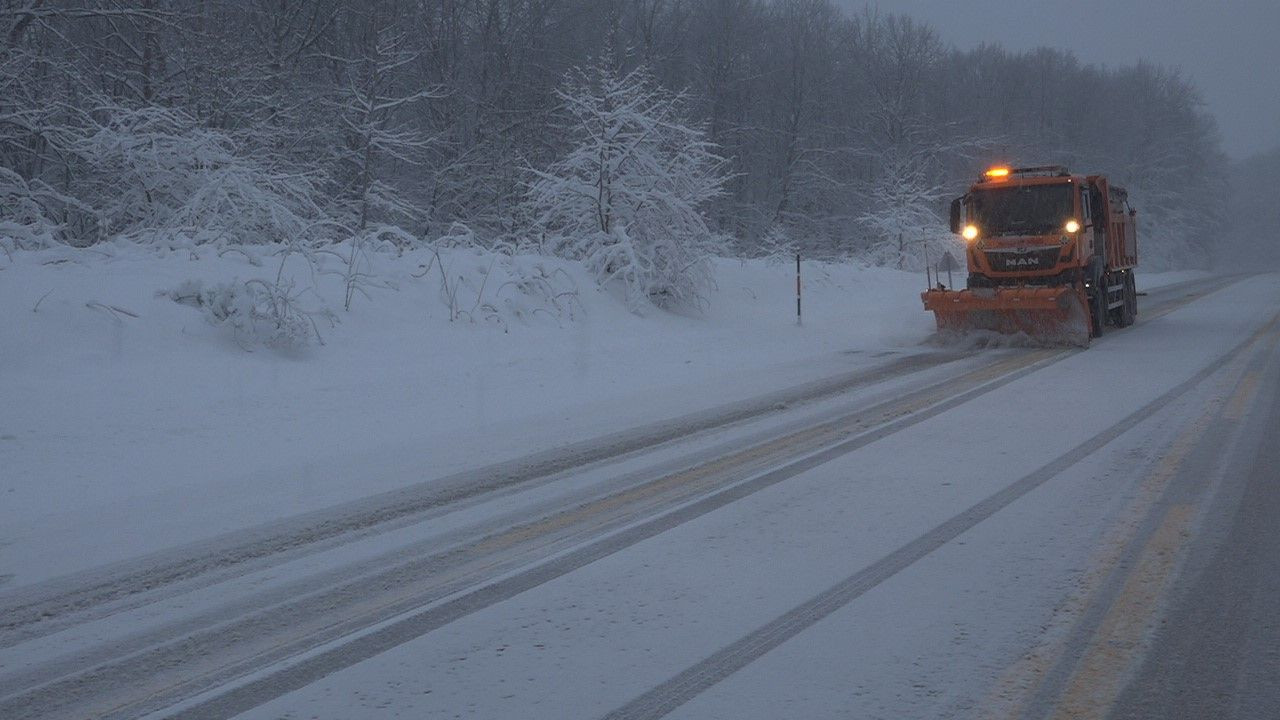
[[1015, 687], [1117, 646], [1239, 402]]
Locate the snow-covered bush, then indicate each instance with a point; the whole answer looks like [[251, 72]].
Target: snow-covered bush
[[458, 235], [157, 169], [498, 288], [258, 312], [357, 266], [28, 210], [628, 198], [531, 288], [30, 120]]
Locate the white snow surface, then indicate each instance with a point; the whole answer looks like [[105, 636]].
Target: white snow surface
[[1150, 281], [130, 430], [123, 435], [939, 639]]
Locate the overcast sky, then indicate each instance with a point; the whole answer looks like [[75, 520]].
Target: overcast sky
[[1230, 48]]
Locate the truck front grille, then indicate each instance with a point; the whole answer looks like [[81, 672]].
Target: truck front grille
[[1013, 260]]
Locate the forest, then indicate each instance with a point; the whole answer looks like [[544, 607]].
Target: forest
[[612, 131]]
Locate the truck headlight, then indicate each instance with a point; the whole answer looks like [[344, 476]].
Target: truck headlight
[[1073, 226], [970, 232]]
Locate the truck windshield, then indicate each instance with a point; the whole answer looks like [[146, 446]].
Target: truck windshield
[[1021, 210]]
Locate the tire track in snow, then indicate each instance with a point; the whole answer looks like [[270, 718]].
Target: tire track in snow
[[268, 686], [128, 682], [34, 612]]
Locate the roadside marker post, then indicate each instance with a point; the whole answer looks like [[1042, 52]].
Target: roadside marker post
[[798, 320]]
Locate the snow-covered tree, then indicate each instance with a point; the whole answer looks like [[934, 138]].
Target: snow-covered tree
[[904, 219], [154, 169], [629, 197], [905, 146], [1253, 213], [374, 109], [837, 128]]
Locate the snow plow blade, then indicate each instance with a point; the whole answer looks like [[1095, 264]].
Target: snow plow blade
[[1051, 314]]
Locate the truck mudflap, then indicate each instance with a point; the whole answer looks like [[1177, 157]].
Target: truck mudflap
[[1057, 315]]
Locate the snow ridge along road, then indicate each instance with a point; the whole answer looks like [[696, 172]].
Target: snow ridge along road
[[154, 670], [42, 605]]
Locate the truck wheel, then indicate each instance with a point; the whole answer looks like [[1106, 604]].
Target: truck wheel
[[1129, 309], [1132, 286], [1098, 308]]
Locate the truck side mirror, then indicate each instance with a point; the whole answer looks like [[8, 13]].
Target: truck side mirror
[[955, 215]]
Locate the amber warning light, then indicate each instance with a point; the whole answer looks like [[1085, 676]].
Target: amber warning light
[[998, 172]]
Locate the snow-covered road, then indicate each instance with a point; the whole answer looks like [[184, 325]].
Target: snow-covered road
[[943, 538]]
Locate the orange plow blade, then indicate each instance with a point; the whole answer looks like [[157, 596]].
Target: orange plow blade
[[1054, 315]]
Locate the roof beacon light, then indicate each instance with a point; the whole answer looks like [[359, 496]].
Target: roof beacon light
[[998, 173]]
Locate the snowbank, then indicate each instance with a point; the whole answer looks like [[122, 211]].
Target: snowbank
[[1151, 281]]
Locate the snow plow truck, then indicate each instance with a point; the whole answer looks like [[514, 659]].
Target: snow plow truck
[[1049, 254]]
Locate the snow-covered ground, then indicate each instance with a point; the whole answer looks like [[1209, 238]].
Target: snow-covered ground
[[1151, 281], [122, 434], [963, 632], [890, 574], [129, 424]]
